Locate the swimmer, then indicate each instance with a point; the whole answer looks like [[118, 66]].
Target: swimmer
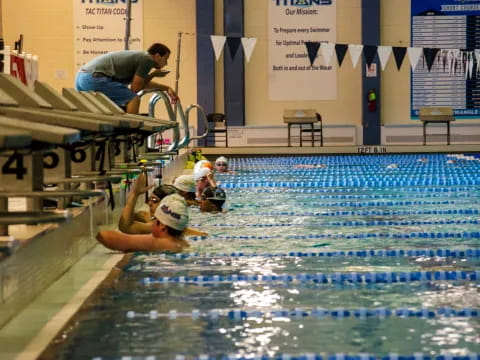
[[203, 178], [141, 223], [157, 195], [422, 160], [185, 186], [169, 222], [392, 166], [212, 200], [221, 166]]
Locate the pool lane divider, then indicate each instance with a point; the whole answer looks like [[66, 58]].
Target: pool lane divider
[[437, 191], [306, 356], [355, 223], [318, 313], [382, 203], [321, 278], [412, 235], [444, 253], [353, 183], [366, 213]]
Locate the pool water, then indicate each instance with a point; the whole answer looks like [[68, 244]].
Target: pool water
[[352, 258]]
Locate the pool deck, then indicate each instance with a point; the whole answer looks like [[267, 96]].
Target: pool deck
[[325, 150]]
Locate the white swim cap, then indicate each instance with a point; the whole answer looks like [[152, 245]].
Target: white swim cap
[[202, 164], [201, 173], [173, 212], [221, 159], [185, 183]]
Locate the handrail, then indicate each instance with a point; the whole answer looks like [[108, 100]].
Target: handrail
[[204, 116], [183, 115], [151, 112]]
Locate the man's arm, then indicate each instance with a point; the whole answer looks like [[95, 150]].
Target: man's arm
[[115, 240], [126, 222], [139, 83]]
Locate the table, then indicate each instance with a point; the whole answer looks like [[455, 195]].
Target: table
[[300, 117], [443, 115]]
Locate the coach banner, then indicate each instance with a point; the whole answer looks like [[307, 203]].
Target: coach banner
[[291, 24], [448, 74], [99, 27]]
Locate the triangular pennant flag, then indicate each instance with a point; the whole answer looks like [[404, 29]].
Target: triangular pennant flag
[[312, 50], [327, 49], [369, 51], [341, 50], [218, 42], [399, 54], [430, 54], [248, 46], [233, 45], [355, 52], [384, 53], [414, 54]]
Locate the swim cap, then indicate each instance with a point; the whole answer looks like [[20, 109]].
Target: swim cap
[[202, 164], [201, 173], [199, 169], [185, 183], [221, 159], [173, 212], [216, 194]]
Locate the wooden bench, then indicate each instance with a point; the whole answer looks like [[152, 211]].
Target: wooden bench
[[439, 115]]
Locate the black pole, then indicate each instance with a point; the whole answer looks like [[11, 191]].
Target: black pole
[[128, 19]]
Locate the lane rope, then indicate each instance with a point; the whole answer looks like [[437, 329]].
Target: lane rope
[[319, 313], [329, 278]]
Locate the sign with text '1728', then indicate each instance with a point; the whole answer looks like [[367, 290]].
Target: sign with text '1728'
[[291, 24], [99, 27]]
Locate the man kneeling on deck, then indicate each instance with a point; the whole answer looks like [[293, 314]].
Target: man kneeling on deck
[[169, 221]]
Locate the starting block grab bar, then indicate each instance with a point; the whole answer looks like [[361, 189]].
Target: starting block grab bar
[[183, 115]]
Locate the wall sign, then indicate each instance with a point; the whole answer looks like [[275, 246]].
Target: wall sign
[[453, 80], [99, 28], [291, 24]]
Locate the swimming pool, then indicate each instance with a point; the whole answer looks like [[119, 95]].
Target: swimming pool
[[353, 260]]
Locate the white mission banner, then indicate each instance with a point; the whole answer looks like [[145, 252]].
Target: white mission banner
[[99, 27], [291, 24]]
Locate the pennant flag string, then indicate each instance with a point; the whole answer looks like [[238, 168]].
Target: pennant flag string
[[453, 61]]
